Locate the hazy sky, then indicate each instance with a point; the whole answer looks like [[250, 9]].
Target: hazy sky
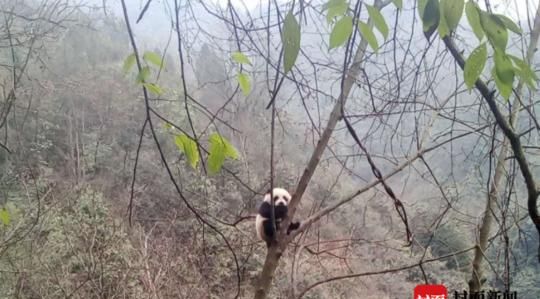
[[250, 4], [500, 6], [156, 23]]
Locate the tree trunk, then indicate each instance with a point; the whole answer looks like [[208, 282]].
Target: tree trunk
[[274, 252], [270, 264], [477, 276]]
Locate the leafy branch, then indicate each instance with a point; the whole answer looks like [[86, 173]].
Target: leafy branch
[[445, 16]]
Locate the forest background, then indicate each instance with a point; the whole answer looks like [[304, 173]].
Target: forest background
[[138, 138]]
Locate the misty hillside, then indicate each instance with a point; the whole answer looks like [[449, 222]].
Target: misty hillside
[[138, 140]]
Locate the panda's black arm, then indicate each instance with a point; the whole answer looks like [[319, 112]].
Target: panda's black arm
[[281, 212], [265, 210]]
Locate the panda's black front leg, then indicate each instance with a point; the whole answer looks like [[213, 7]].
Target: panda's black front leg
[[293, 226], [269, 231]]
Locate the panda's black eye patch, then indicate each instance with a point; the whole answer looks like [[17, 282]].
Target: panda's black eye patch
[[276, 198]]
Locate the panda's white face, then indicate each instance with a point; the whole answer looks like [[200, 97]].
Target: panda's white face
[[281, 197]]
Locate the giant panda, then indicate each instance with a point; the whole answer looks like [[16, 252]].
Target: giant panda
[[263, 221]]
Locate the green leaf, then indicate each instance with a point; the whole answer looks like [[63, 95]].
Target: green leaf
[[398, 4], [475, 65], [525, 72], [509, 24], [520, 63], [452, 11], [239, 57], [220, 149], [367, 33], [504, 67], [341, 32], [143, 75], [378, 20], [495, 30], [291, 41], [243, 81], [153, 58], [336, 8], [215, 160], [188, 146], [504, 89], [128, 63], [153, 88], [229, 150], [526, 78], [421, 8], [430, 17], [443, 26], [504, 73], [5, 216], [473, 16]]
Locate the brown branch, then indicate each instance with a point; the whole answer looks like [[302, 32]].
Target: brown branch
[[351, 75], [377, 173], [143, 11], [134, 178]]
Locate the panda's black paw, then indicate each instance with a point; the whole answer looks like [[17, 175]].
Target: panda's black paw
[[293, 226]]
